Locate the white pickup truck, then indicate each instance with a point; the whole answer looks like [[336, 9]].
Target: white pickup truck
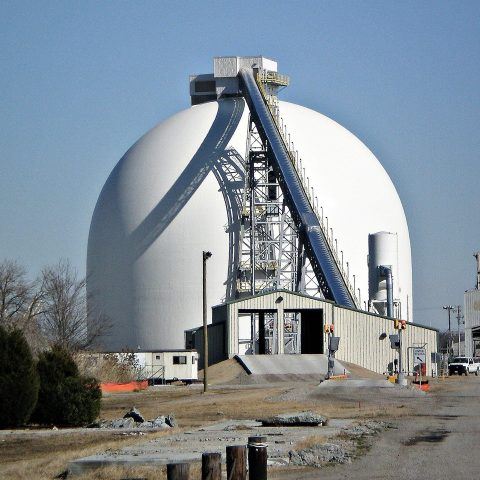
[[463, 365]]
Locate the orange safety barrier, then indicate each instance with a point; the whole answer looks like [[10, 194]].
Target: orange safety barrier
[[123, 387], [422, 386]]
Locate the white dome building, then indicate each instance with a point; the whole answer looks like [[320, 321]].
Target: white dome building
[[162, 205]]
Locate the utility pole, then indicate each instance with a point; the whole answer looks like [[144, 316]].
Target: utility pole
[[205, 257], [477, 258], [459, 320], [449, 339]]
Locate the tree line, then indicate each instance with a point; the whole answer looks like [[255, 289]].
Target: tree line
[[50, 310], [43, 322]]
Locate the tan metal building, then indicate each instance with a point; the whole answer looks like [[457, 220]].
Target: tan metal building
[[364, 337]]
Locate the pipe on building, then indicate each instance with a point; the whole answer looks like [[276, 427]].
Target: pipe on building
[[386, 271]]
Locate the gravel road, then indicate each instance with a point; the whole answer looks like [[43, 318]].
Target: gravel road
[[439, 441]]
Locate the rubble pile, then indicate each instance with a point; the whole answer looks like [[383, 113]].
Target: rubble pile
[[134, 419], [318, 455], [365, 429], [345, 448]]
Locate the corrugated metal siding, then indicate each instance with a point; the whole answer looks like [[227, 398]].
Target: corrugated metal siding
[[217, 338], [267, 302], [472, 309], [219, 313], [472, 318], [362, 341]]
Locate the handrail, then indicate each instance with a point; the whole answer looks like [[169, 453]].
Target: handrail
[[272, 104], [312, 234]]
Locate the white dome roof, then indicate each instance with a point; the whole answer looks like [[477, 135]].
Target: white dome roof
[[162, 205]]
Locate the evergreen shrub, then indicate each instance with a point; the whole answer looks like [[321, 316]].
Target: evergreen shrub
[[65, 397], [18, 379]]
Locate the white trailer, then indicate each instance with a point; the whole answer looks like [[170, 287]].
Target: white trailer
[[165, 366]]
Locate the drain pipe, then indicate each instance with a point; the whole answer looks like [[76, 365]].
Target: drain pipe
[[388, 272]]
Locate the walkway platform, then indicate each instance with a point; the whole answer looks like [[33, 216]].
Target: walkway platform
[[291, 365]]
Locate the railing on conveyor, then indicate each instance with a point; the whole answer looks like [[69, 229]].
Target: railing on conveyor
[[321, 255], [273, 105]]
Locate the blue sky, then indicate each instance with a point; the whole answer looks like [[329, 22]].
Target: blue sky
[[82, 81]]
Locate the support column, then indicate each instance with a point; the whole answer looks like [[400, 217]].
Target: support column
[[253, 332], [280, 330], [232, 329], [261, 333]]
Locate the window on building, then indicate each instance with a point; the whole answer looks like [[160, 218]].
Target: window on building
[[157, 357], [194, 359], [179, 360]]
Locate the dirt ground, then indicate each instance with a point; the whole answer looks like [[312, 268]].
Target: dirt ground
[[44, 454]]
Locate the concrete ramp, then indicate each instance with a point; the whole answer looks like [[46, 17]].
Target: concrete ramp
[[290, 366]]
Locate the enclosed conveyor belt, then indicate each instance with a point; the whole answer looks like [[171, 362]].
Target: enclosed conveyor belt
[[307, 223]]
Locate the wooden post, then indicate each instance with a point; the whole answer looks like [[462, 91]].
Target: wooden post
[[257, 458], [178, 471], [211, 466], [237, 462]]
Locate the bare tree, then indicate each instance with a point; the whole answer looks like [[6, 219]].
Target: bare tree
[[20, 299], [20, 303], [64, 312]]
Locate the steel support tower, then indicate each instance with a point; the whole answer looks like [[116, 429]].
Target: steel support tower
[[271, 253], [284, 242]]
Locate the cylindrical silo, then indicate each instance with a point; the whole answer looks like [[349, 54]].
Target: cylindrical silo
[[383, 252]]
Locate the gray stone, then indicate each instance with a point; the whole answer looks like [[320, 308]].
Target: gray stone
[[135, 414], [294, 419], [170, 420], [159, 421], [318, 455], [146, 424], [128, 422], [134, 419]]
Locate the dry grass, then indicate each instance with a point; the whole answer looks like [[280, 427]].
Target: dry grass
[[143, 472], [45, 454], [193, 408], [120, 472], [41, 455]]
